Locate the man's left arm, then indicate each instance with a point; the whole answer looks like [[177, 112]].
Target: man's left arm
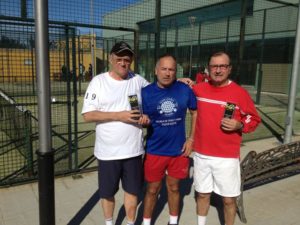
[[249, 118]]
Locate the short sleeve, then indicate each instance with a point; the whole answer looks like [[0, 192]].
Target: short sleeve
[[91, 97]]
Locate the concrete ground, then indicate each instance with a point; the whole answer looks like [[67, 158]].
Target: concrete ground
[[76, 201]]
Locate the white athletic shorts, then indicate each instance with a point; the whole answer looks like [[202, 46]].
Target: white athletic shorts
[[219, 175]]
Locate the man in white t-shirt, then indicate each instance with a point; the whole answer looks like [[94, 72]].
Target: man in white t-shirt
[[119, 137]]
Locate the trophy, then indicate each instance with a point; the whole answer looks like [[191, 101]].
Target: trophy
[[134, 104], [229, 110]]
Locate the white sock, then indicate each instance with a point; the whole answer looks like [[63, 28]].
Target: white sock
[[201, 220], [130, 223], [173, 219], [146, 221], [109, 221]]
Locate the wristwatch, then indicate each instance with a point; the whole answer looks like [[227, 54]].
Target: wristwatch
[[242, 126]]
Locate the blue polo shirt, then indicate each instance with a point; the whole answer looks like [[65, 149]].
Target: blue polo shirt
[[166, 108]]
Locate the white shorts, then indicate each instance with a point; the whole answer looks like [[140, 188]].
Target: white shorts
[[219, 175]]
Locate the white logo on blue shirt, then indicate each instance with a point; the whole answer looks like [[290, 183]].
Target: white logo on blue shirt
[[167, 106]]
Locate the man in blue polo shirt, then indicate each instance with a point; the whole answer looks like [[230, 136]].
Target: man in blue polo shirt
[[166, 102]]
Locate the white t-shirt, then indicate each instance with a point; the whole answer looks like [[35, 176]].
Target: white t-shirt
[[115, 140]]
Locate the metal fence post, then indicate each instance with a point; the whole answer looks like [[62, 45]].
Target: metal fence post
[[293, 88], [45, 152]]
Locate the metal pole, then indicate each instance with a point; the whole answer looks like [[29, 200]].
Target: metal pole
[[166, 39], [32, 65], [227, 33], [293, 88], [176, 42], [45, 152], [80, 65], [75, 102], [157, 29], [148, 64], [199, 46], [136, 49], [24, 9], [69, 100], [260, 70], [242, 40], [192, 20], [93, 41]]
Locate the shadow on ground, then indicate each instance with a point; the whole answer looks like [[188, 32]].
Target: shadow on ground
[[185, 190]]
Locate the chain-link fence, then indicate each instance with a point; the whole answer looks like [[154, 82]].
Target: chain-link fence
[[81, 34]]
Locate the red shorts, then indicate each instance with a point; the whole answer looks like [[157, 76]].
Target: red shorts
[[157, 166]]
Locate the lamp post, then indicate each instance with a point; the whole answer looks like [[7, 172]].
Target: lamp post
[[192, 20]]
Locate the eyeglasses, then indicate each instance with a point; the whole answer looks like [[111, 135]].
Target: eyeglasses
[[221, 67]]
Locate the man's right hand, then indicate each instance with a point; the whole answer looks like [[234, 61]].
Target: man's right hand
[[132, 116], [129, 116]]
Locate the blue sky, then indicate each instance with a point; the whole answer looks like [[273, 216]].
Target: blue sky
[[76, 11], [68, 10]]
